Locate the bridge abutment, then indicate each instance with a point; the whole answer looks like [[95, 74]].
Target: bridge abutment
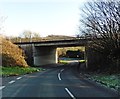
[[44, 55]]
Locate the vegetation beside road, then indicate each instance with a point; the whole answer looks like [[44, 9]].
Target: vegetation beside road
[[111, 81], [68, 60], [100, 25], [16, 70], [11, 54], [63, 61], [13, 60]]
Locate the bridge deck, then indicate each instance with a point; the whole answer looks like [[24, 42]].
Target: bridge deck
[[58, 43]]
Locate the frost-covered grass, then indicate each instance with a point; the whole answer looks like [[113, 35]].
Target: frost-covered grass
[[112, 81]]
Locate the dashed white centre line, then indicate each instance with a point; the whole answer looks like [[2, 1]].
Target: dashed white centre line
[[59, 76], [71, 95], [1, 87], [11, 82], [19, 78]]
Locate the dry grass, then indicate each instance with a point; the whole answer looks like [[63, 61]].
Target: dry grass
[[12, 55]]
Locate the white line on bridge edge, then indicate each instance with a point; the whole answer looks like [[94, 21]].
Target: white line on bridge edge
[[70, 93], [11, 82], [62, 70], [1, 87], [59, 76], [19, 78]]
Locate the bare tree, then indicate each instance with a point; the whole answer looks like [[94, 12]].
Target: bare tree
[[27, 34], [102, 25], [35, 35]]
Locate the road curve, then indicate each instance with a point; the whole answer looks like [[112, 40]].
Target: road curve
[[58, 82]]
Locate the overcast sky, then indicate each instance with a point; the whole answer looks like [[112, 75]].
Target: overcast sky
[[46, 17]]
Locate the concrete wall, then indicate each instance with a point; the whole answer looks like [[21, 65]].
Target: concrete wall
[[44, 55], [28, 51]]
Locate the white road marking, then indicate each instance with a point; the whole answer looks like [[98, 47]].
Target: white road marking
[[70, 93], [1, 87], [62, 70], [19, 78], [11, 82], [59, 76]]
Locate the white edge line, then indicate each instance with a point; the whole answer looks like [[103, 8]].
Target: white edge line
[[70, 93], [11, 82], [1, 87], [59, 76], [19, 78]]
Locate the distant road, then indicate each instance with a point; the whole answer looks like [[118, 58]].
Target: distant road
[[60, 81]]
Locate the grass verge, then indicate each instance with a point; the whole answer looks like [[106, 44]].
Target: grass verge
[[63, 62], [14, 71], [68, 61], [111, 81]]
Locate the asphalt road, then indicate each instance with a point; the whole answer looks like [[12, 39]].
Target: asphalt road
[[58, 82]]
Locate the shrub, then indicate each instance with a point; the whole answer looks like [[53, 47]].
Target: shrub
[[12, 55]]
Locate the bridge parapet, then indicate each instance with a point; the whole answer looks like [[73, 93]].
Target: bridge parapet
[[57, 43]]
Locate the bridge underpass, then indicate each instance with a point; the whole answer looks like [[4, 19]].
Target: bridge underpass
[[45, 52], [44, 55]]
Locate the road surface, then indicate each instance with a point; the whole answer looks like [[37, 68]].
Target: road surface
[[55, 82]]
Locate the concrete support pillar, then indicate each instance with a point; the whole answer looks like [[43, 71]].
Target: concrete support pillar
[[56, 56], [85, 57], [44, 55]]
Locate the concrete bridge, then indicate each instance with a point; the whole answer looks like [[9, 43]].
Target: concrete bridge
[[44, 52]]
